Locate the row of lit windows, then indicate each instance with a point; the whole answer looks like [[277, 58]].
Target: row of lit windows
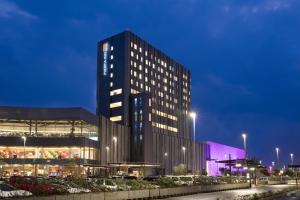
[[158, 69], [116, 118], [160, 94], [116, 92], [153, 82], [167, 86], [148, 88], [140, 50], [115, 105], [163, 126], [163, 114]]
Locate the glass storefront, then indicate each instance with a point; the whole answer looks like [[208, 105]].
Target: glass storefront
[[48, 153], [43, 170], [45, 128]]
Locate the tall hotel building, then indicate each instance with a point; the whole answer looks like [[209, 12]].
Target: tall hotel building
[[141, 87]]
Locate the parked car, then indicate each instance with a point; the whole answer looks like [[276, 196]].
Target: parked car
[[7, 190], [32, 184], [107, 184], [151, 178], [182, 180], [74, 189]]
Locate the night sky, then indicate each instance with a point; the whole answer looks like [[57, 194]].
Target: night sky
[[244, 57]]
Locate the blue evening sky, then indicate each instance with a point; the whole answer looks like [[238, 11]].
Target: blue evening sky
[[244, 57]]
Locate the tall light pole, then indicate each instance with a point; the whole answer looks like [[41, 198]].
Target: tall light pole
[[244, 136], [115, 147], [193, 116], [24, 142], [183, 150], [165, 161], [292, 159], [277, 154], [107, 154]]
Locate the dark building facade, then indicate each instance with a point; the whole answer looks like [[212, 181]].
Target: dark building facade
[[141, 87]]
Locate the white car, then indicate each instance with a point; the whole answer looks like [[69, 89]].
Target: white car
[[109, 185], [75, 189], [9, 191]]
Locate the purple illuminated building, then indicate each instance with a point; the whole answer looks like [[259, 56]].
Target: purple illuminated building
[[220, 152]]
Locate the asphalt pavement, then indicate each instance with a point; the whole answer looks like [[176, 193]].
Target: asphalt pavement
[[233, 194]]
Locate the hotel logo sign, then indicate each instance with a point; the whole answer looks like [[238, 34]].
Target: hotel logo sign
[[105, 49]]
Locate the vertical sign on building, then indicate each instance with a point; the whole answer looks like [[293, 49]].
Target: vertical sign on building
[[106, 54]]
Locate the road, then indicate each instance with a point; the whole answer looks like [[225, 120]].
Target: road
[[233, 194], [292, 196]]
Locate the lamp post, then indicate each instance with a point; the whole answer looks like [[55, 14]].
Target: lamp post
[[107, 159], [165, 160], [292, 159], [277, 154], [107, 154], [24, 150], [183, 150], [115, 147], [244, 136], [193, 116]]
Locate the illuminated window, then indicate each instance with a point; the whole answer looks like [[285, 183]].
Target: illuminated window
[[133, 91], [116, 104], [111, 57], [112, 48], [111, 84], [111, 75], [111, 66], [116, 118], [115, 92]]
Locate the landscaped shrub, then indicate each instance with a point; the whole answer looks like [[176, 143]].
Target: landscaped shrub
[[180, 169], [165, 182]]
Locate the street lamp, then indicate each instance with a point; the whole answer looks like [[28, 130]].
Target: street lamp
[[292, 159], [115, 147], [193, 116], [24, 142], [244, 136], [107, 154], [183, 149], [277, 154], [165, 161]]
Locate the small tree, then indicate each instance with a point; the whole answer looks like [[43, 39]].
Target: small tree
[[289, 172], [180, 169]]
